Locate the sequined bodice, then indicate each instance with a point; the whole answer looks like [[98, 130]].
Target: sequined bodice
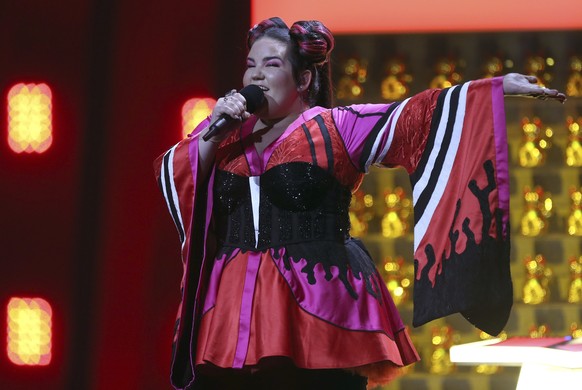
[[298, 202]]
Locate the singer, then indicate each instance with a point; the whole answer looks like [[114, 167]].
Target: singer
[[275, 292]]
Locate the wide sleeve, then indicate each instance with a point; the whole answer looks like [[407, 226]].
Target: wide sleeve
[[176, 174], [189, 201], [453, 144]]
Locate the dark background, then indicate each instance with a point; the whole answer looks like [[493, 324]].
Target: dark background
[[83, 225]]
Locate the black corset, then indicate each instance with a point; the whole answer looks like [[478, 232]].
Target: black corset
[[300, 202]]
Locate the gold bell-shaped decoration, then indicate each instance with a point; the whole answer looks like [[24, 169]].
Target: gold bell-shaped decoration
[[535, 142], [355, 73], [496, 66], [541, 67], [395, 85], [489, 369], [574, 146], [442, 339], [575, 289], [398, 278], [574, 84], [575, 330], [361, 213], [538, 208], [493, 67], [538, 274], [575, 217], [539, 332], [447, 73], [398, 210]]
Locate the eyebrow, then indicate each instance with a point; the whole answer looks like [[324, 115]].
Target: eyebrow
[[266, 58]]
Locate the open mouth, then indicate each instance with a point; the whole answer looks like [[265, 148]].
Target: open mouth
[[263, 88]]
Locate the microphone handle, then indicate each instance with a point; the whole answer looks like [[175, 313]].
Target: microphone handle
[[216, 127]]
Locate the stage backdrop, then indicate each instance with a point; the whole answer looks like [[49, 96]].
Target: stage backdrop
[[83, 225]]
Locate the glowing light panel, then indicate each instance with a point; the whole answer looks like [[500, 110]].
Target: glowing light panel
[[376, 16], [29, 331], [194, 111], [29, 118]]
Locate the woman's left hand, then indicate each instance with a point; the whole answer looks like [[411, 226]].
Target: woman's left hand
[[515, 84]]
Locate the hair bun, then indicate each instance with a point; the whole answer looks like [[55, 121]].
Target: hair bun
[[314, 40]]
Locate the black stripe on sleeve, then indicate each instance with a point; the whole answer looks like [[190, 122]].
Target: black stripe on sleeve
[[369, 144], [426, 194], [357, 113], [434, 125], [311, 145], [327, 141], [170, 198]]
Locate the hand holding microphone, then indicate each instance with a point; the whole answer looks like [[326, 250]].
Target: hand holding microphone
[[235, 106]]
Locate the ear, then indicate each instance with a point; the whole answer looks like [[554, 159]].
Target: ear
[[304, 80]]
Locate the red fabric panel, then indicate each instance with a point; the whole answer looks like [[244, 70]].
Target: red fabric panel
[[412, 131], [476, 146], [279, 327]]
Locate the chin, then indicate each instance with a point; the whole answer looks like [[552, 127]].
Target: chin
[[263, 110]]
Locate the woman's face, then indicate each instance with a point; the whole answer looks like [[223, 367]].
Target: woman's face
[[268, 66]]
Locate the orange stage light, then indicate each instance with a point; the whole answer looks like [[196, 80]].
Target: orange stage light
[[29, 118], [416, 16], [29, 322], [194, 111]]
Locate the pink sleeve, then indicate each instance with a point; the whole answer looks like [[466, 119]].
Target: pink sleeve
[[359, 123]]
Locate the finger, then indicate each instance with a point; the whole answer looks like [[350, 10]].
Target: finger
[[544, 93], [233, 102], [553, 92], [540, 92], [237, 105], [239, 98], [224, 109], [229, 95], [233, 112], [557, 95], [223, 101]]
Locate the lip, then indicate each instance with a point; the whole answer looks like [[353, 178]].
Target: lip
[[265, 89]]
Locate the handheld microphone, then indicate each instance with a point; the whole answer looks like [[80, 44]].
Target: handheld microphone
[[255, 98]]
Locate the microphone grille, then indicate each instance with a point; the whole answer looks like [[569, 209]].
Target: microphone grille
[[254, 96]]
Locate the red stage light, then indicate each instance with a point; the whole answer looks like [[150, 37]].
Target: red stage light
[[29, 118], [29, 334], [194, 111]]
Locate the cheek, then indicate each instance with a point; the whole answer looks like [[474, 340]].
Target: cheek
[[285, 85], [247, 78]]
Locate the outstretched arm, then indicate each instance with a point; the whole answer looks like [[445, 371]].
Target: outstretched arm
[[515, 84]]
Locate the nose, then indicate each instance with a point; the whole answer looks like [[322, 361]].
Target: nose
[[257, 73]]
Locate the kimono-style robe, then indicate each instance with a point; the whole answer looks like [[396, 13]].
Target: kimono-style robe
[[270, 268]]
